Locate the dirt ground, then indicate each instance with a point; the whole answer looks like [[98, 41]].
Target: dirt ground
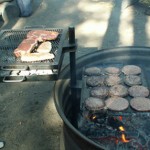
[[28, 118]]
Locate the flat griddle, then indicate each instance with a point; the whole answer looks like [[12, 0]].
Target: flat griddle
[[85, 91]]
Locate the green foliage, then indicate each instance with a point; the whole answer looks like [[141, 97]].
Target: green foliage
[[145, 2]]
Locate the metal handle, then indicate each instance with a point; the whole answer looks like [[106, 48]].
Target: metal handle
[[13, 79], [34, 27]]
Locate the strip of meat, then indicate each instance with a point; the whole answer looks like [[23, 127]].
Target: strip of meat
[[26, 46], [36, 57], [42, 35]]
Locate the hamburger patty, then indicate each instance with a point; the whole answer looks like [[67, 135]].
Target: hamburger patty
[[112, 71], [140, 104], [113, 80], [118, 90], [94, 104], [117, 103], [93, 71], [95, 81], [100, 92], [131, 70], [138, 91], [132, 80]]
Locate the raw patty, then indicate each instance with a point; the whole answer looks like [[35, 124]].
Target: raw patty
[[45, 47], [112, 71], [117, 103], [99, 92], [94, 104], [132, 80], [95, 81], [131, 70], [91, 71], [138, 91], [118, 90], [113, 80], [140, 104]]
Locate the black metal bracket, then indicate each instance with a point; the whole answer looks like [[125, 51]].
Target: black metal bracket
[[67, 47]]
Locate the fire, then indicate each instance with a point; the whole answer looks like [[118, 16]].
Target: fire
[[120, 118], [94, 117], [121, 128], [123, 137]]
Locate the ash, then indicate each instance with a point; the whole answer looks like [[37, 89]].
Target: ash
[[116, 131]]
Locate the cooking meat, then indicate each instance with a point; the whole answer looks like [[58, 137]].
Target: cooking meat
[[113, 80], [45, 47], [42, 35], [118, 90], [26, 46], [93, 71], [99, 92], [132, 80], [36, 57], [94, 104], [140, 104], [131, 70], [95, 81], [138, 91], [117, 103], [112, 71]]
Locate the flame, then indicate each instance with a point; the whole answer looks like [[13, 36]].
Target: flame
[[121, 128], [120, 118], [123, 137], [94, 117]]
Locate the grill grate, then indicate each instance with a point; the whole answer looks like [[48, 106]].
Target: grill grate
[[10, 39]]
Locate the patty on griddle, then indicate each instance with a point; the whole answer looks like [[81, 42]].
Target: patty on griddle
[[113, 80], [131, 70], [94, 104], [140, 104], [118, 90], [112, 71], [132, 80], [138, 91], [93, 81], [99, 92], [117, 103], [93, 71]]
